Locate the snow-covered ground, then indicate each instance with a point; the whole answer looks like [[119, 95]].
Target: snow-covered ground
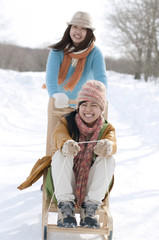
[[134, 200]]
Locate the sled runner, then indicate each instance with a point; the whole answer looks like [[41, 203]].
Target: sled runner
[[49, 206]]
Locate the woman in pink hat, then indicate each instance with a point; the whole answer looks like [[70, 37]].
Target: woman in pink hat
[[71, 62], [85, 143]]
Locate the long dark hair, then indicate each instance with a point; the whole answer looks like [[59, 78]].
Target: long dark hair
[[67, 41], [72, 126]]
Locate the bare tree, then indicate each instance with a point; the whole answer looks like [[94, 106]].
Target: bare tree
[[151, 48], [136, 22]]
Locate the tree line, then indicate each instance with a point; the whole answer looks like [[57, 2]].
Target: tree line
[[22, 59], [28, 59]]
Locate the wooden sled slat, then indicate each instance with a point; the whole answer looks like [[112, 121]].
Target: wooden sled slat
[[78, 230]]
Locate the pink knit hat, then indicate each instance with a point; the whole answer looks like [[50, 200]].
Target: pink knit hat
[[93, 90]]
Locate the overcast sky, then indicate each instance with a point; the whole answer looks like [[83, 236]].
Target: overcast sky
[[37, 23]]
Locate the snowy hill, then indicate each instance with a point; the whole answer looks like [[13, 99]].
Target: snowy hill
[[133, 110]]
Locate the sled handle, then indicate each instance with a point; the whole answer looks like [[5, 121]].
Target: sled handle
[[72, 101]]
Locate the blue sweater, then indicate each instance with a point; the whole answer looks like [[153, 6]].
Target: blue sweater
[[94, 69]]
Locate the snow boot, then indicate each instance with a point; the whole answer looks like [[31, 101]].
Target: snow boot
[[87, 215], [66, 215]]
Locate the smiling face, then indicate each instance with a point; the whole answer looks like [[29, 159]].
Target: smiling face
[[77, 34], [89, 112]]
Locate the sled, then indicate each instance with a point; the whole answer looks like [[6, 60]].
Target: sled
[[103, 214]]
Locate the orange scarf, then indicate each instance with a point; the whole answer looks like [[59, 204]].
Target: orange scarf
[[74, 79]]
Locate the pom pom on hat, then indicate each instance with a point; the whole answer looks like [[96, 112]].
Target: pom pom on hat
[[93, 90]]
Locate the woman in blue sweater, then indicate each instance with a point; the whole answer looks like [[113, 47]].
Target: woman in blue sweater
[[71, 62]]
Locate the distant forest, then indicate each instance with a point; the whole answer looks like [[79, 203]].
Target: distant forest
[[28, 59]]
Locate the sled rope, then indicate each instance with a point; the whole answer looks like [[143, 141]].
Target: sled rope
[[88, 142], [54, 191], [105, 163]]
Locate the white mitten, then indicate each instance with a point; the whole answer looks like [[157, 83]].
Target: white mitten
[[103, 148], [61, 100], [70, 148]]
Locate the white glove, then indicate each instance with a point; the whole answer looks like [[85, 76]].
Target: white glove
[[70, 148], [61, 100], [103, 148]]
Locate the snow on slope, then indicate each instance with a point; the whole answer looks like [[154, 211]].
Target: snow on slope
[[133, 110]]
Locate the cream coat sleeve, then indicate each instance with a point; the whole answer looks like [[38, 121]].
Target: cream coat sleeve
[[61, 134]]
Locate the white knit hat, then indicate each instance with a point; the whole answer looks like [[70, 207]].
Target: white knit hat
[[82, 19]]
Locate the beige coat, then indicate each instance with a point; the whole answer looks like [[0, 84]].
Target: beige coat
[[36, 172]]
